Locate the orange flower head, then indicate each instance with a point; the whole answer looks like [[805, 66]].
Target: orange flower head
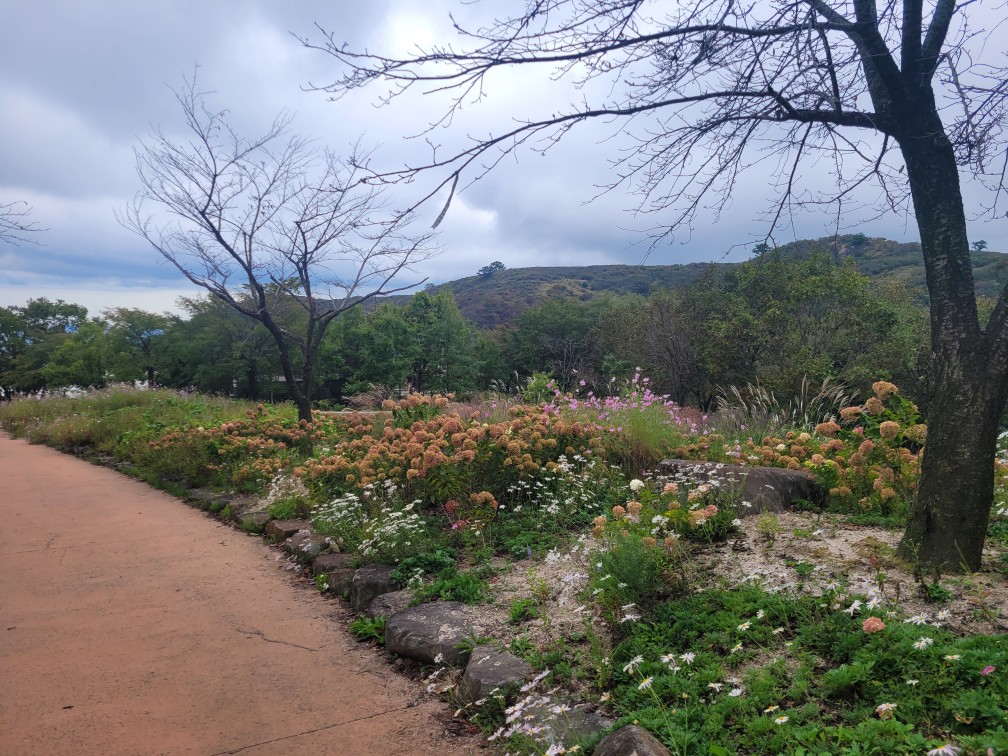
[[889, 429], [873, 625], [874, 406], [883, 389]]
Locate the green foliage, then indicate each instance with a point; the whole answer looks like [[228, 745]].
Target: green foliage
[[289, 509], [631, 573], [426, 563], [769, 673], [452, 585], [936, 593], [523, 610], [369, 629]]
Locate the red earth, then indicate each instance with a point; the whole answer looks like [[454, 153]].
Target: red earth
[[131, 623]]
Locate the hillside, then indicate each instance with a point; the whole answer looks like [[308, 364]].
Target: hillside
[[489, 301], [898, 261]]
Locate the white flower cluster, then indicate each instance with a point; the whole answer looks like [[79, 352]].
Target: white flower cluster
[[392, 530]]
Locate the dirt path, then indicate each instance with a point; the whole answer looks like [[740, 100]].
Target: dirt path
[[132, 624]]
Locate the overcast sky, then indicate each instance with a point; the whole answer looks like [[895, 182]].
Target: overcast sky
[[82, 81]]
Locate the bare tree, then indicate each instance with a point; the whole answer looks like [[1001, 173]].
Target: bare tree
[[898, 96], [14, 223], [270, 227]]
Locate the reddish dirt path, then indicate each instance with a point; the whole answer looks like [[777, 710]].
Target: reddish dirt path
[[133, 624]]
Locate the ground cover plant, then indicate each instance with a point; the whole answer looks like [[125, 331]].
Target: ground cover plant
[[666, 601]]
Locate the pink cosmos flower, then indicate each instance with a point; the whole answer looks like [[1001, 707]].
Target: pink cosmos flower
[[987, 670]]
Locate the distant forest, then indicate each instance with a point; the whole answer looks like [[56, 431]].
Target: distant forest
[[852, 309]]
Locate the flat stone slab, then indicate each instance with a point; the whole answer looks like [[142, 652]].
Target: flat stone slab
[[253, 522], [431, 633], [209, 500], [489, 669], [389, 604], [767, 489], [630, 740], [368, 583], [329, 562], [281, 530]]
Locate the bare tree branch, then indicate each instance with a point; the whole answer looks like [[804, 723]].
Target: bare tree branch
[[267, 225], [15, 225]]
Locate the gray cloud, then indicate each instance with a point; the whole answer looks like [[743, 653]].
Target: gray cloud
[[82, 82]]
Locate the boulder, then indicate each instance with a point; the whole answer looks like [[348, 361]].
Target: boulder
[[556, 722], [329, 562], [488, 669], [369, 582], [630, 740], [305, 546], [339, 581], [206, 499], [389, 604], [431, 633], [767, 489], [281, 530]]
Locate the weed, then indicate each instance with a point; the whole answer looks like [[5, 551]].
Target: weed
[[768, 527], [369, 629], [935, 592], [523, 610]]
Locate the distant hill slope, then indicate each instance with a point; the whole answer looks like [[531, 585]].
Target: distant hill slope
[[499, 299], [900, 261]]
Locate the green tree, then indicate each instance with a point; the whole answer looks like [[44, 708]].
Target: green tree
[[81, 358], [487, 271], [563, 337], [137, 340], [219, 350], [446, 345], [31, 333]]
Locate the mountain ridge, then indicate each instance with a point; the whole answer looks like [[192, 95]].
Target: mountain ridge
[[499, 299]]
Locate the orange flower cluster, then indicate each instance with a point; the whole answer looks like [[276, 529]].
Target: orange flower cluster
[[446, 457], [870, 459]]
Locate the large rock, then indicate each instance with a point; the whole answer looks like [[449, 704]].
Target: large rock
[[206, 499], [767, 489], [368, 583], [630, 740], [305, 546], [329, 562], [430, 633], [281, 530], [389, 604], [340, 581], [488, 669], [554, 722]]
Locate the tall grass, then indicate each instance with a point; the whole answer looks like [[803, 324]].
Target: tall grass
[[117, 420]]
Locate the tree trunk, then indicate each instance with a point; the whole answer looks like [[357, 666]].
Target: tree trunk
[[948, 523], [151, 383], [252, 380], [949, 518]]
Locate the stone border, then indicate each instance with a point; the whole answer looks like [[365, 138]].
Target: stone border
[[436, 633]]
